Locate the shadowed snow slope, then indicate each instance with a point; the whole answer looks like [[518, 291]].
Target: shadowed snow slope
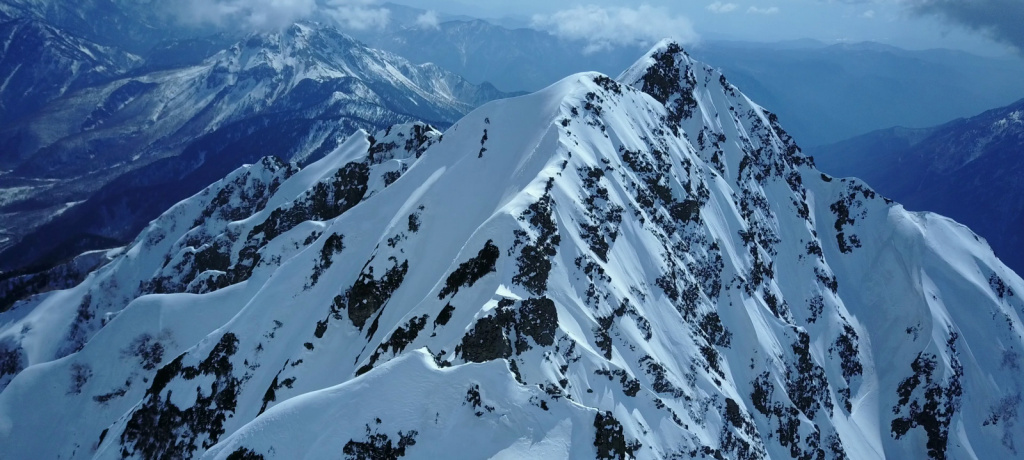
[[646, 267]]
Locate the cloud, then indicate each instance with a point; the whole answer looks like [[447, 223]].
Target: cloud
[[428, 20], [767, 10], [272, 14], [255, 13], [356, 14], [869, 14], [1000, 20], [606, 28], [719, 7]]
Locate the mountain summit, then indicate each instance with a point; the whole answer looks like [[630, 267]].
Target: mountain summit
[[644, 267]]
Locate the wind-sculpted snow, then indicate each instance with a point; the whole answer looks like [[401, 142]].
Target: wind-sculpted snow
[[588, 271]]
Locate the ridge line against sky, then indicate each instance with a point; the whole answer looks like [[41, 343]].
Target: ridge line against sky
[[989, 27]]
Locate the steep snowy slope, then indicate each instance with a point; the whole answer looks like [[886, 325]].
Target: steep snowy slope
[[968, 169], [644, 268], [292, 94]]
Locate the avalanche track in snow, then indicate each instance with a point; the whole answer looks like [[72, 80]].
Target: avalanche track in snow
[[643, 267]]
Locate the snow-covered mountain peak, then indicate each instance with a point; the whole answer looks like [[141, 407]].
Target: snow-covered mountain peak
[[301, 51], [665, 51], [638, 268], [316, 52], [698, 96]]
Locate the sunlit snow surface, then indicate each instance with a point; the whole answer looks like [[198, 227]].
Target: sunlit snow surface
[[590, 270]]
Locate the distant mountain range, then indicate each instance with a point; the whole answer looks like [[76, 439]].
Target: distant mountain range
[[824, 93], [97, 143], [970, 169], [511, 59], [133, 25], [41, 63]]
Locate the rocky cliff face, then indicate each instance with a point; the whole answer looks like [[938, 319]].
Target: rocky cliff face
[[641, 267]]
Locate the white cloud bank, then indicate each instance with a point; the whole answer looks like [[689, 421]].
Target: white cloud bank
[[721, 8], [605, 28], [270, 14], [766, 10], [428, 20]]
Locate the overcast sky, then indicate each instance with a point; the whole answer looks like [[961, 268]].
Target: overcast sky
[[983, 26], [991, 27]]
